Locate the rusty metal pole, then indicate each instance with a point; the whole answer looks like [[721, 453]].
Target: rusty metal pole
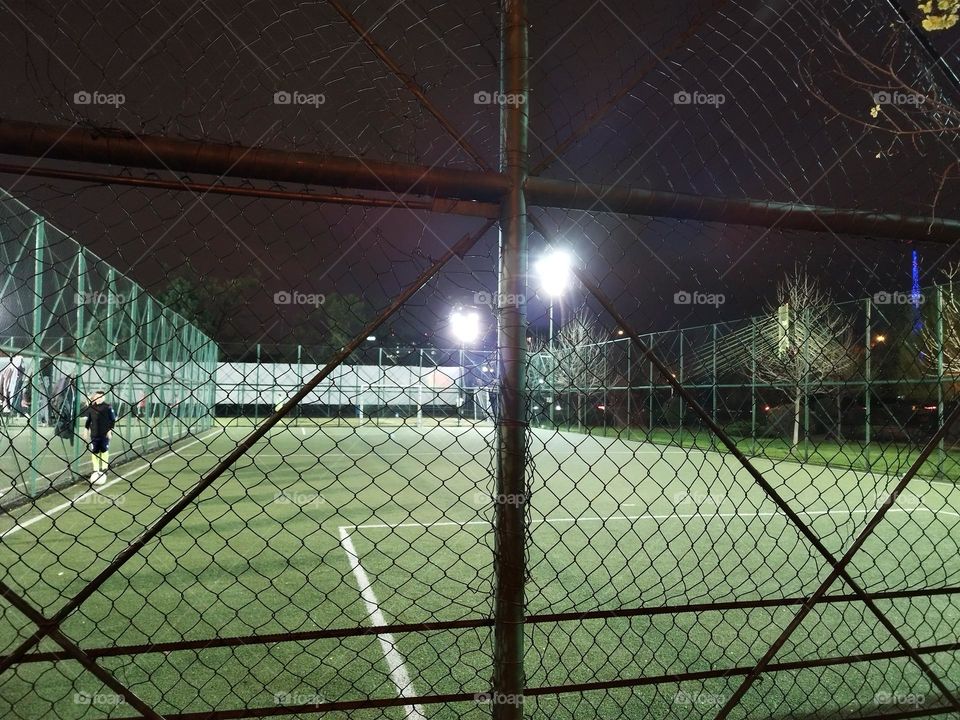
[[510, 513]]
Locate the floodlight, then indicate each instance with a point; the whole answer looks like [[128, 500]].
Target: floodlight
[[555, 272], [465, 325]]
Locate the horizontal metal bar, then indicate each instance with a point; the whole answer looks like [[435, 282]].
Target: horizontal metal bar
[[669, 679], [732, 605], [437, 205], [761, 213], [224, 160], [38, 140], [335, 633], [740, 670]]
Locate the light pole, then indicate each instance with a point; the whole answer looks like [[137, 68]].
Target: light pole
[[555, 274], [465, 327]]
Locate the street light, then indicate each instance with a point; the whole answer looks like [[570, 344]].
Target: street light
[[555, 275], [465, 326]]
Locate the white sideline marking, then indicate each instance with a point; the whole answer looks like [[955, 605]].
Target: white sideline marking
[[69, 503], [647, 516], [395, 661]]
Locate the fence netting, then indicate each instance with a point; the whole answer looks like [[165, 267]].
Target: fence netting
[[303, 413]]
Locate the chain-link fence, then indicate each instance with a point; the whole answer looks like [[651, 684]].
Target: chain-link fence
[[73, 325], [390, 384], [427, 388], [865, 394]]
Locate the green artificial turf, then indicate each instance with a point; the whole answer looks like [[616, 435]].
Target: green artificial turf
[[613, 524]]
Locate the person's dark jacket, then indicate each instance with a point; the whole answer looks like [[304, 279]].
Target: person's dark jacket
[[100, 419]]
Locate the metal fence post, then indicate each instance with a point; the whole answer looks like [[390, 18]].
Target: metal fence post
[[169, 331], [867, 386], [80, 332], [605, 384], [420, 389], [110, 344], [713, 438], [650, 398], [629, 389], [753, 386], [155, 396], [132, 360], [381, 375], [806, 385], [510, 528], [256, 382], [940, 407], [683, 406], [299, 378], [39, 236]]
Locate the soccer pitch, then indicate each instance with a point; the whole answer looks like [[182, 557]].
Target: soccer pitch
[[344, 525]]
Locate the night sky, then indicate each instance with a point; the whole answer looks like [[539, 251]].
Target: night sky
[[788, 128]]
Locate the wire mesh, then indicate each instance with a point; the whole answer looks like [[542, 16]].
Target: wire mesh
[[371, 459], [72, 326]]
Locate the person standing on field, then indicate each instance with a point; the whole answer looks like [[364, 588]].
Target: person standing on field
[[100, 421]]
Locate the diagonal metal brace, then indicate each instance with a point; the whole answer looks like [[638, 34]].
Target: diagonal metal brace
[[241, 449], [838, 569], [51, 628], [409, 83]]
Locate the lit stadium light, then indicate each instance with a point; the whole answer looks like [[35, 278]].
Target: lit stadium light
[[555, 272], [465, 325]]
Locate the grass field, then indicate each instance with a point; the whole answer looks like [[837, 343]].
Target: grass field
[[878, 457], [344, 525]]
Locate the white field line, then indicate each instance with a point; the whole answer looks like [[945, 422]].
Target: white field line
[[646, 516], [395, 662], [45, 514]]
